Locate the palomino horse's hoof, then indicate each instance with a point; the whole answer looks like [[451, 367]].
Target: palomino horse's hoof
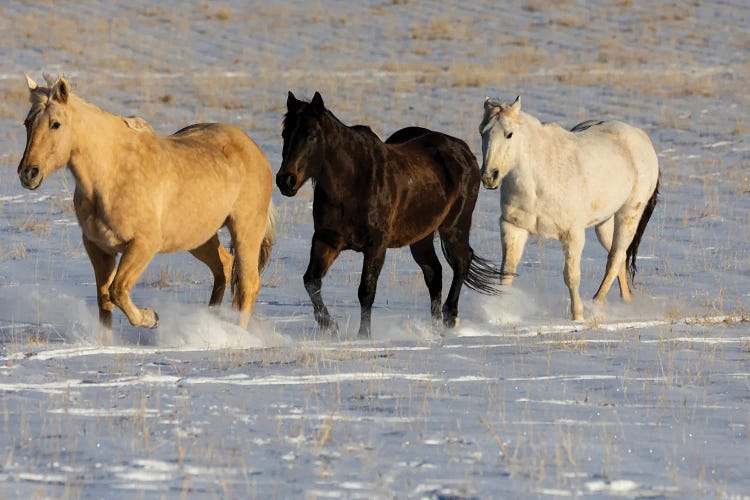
[[150, 319]]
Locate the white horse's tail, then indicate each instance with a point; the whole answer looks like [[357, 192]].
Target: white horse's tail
[[633, 248]]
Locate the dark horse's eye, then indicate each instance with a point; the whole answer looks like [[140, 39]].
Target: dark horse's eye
[[55, 125], [509, 135]]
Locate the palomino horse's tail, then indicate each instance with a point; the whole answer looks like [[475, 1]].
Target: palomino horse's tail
[[482, 277], [265, 251], [268, 239], [633, 248]]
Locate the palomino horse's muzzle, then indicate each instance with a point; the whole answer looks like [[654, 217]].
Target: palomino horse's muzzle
[[30, 176], [287, 183]]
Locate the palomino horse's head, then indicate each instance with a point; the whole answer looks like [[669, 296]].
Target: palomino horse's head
[[498, 125], [49, 134], [304, 143]]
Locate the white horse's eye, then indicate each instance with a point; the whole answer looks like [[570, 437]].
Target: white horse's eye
[[509, 135]]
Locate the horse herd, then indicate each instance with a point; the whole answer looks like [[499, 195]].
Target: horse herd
[[139, 193]]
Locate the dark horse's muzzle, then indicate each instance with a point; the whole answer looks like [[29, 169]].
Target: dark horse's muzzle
[[30, 176], [287, 183]]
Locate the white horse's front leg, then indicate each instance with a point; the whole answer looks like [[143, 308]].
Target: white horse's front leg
[[572, 243], [514, 240]]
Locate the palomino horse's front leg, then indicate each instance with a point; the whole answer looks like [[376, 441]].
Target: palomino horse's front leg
[[132, 264], [371, 267], [513, 240], [572, 243], [322, 256], [104, 272]]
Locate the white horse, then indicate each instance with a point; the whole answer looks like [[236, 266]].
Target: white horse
[[555, 183]]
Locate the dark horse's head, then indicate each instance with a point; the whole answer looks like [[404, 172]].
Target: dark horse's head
[[304, 143]]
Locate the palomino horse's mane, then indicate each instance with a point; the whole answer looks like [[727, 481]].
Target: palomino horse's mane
[[40, 96]]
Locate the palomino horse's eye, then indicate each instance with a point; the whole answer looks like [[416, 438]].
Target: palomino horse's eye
[[509, 135], [55, 125]]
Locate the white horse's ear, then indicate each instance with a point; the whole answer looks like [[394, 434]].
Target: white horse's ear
[[61, 90], [48, 78], [31, 83], [514, 108]]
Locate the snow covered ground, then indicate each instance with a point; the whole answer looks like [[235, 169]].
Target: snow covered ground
[[648, 400]]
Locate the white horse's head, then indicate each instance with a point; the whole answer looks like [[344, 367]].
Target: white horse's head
[[49, 135], [499, 155]]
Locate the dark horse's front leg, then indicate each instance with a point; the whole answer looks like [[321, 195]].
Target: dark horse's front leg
[[373, 263], [322, 256]]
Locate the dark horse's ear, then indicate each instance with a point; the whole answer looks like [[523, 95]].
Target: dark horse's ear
[[291, 101], [317, 104]]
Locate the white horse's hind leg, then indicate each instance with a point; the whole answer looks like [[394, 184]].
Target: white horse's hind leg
[[572, 244], [604, 232], [514, 239], [625, 223]]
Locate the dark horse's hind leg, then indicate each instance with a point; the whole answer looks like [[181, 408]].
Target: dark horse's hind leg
[[458, 253], [322, 256], [423, 252], [373, 263]]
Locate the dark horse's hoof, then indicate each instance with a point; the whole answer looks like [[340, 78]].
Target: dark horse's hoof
[[450, 321], [329, 328], [364, 335]]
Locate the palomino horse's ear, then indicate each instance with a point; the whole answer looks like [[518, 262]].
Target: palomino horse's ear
[[31, 83], [60, 90], [317, 103], [48, 78]]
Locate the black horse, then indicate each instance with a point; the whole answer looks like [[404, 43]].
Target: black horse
[[371, 196]]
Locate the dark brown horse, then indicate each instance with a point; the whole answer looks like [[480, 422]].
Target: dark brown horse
[[371, 196]]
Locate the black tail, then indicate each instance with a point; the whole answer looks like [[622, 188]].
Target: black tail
[[633, 248], [482, 277]]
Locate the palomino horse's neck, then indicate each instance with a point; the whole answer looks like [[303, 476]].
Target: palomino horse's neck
[[343, 163], [93, 153]]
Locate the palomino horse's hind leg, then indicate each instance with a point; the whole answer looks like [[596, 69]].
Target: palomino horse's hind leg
[[247, 235], [513, 240], [219, 261], [132, 264], [624, 228], [322, 256], [104, 272], [368, 284], [424, 254], [604, 232], [572, 243]]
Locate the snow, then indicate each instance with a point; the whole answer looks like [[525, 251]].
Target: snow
[[642, 400]]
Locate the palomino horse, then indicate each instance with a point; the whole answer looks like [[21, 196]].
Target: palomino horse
[[138, 193], [556, 183], [370, 196]]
